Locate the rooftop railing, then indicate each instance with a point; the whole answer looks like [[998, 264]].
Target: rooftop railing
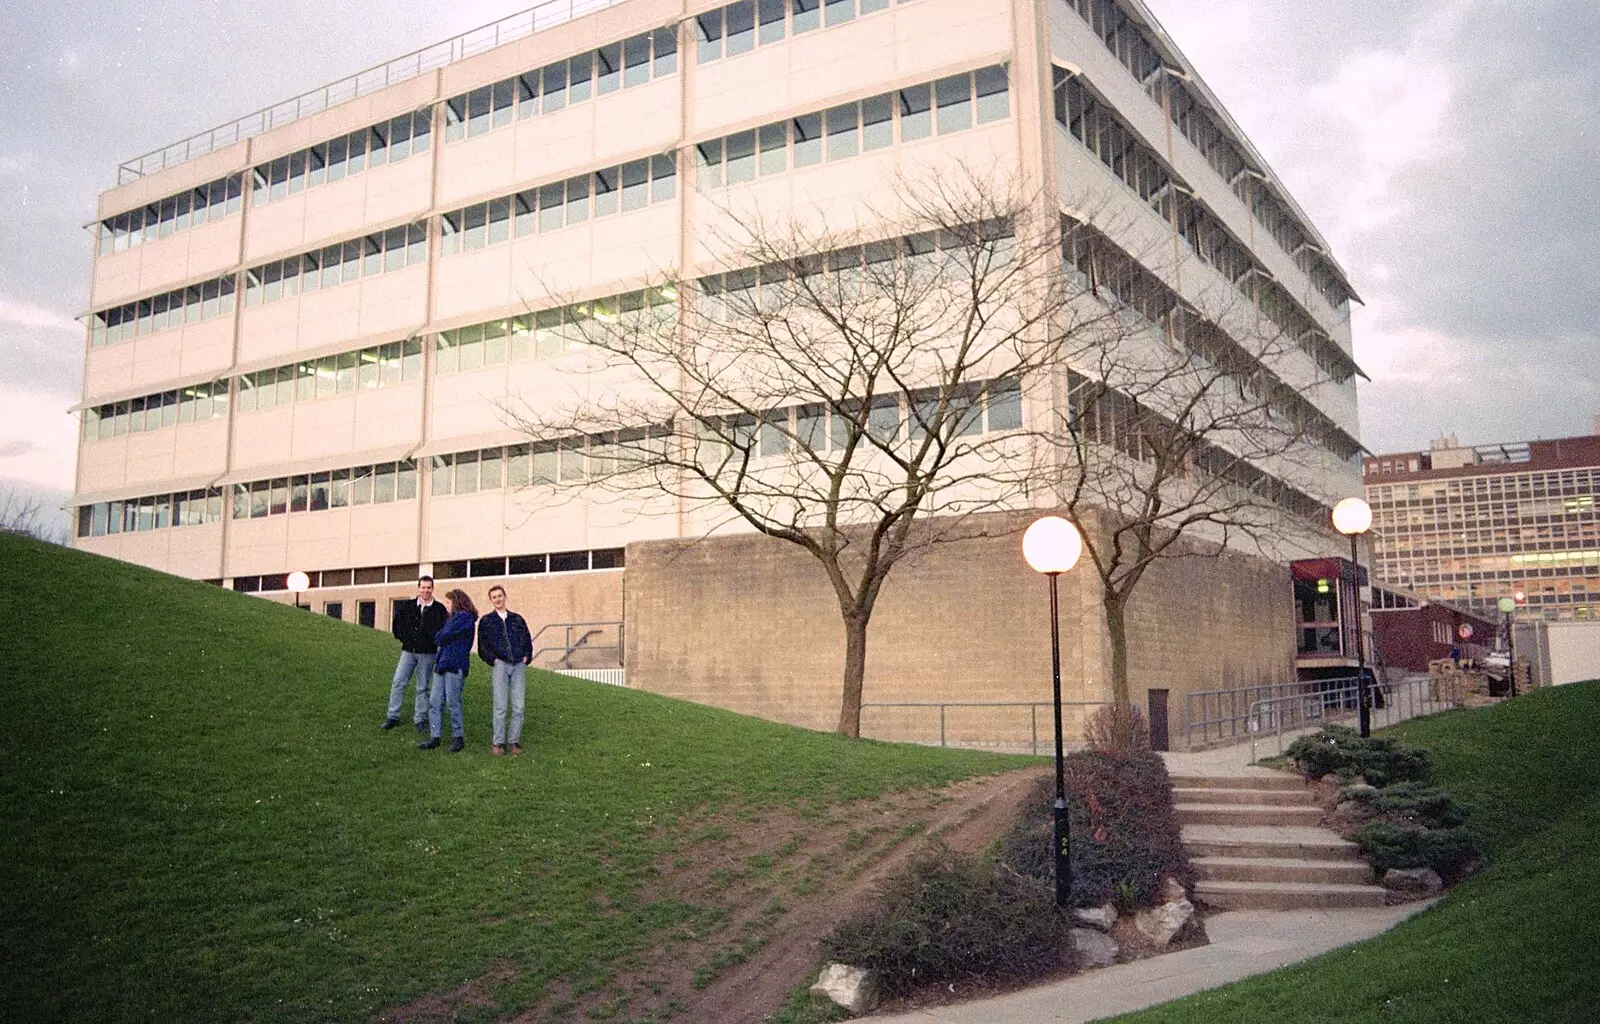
[[487, 37]]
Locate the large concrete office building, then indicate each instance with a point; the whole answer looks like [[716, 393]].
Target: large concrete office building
[[1473, 524], [300, 324]]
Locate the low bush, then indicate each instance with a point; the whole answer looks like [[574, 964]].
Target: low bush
[[1340, 750], [1124, 832], [1390, 845], [1118, 728], [945, 917], [1428, 806]]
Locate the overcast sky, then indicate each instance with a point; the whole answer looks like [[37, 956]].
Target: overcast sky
[[1446, 148]]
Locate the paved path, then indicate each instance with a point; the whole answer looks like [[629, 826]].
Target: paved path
[[1243, 943]]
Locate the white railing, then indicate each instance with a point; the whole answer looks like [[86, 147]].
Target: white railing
[[486, 37]]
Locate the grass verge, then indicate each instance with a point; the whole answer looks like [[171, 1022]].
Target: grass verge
[[204, 822]]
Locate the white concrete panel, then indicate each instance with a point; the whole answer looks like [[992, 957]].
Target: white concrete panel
[[383, 534], [477, 168], [206, 347], [474, 281], [200, 447], [205, 251], [195, 551], [388, 416], [263, 437], [274, 328], [467, 525], [257, 546], [393, 301], [466, 404], [172, 180], [323, 426], [346, 117]]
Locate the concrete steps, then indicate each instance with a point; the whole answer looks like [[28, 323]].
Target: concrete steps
[[1255, 844]]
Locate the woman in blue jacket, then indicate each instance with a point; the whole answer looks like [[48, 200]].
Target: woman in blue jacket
[[450, 669]]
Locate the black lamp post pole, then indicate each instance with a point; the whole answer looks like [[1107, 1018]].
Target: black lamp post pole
[[1063, 839], [1511, 651], [1362, 697]]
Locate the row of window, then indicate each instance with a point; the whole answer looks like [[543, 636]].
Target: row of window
[[574, 460], [387, 142], [157, 512], [1114, 274], [377, 366], [1105, 416], [1103, 133], [1134, 49], [547, 333], [529, 565], [189, 208], [162, 312], [314, 492], [741, 27], [634, 61], [394, 249], [378, 575], [195, 403], [949, 105], [632, 186]]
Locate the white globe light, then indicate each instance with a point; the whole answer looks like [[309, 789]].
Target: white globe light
[[1352, 516], [299, 582], [1052, 545], [1507, 605]]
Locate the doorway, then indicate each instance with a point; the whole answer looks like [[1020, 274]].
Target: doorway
[[1158, 719]]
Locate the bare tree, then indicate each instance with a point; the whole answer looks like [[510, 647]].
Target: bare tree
[[1177, 440], [860, 397], [29, 516]]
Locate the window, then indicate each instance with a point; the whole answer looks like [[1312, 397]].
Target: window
[[162, 312], [387, 142], [155, 512], [393, 249], [204, 204]]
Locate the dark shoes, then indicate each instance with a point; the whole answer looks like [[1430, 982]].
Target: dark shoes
[[389, 723], [456, 744], [429, 744], [516, 750], [422, 726]]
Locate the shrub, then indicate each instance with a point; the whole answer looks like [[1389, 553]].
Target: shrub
[[1118, 728], [1124, 832], [1341, 751], [945, 917], [1445, 850]]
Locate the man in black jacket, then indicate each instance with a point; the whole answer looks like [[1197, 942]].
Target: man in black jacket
[[505, 644], [415, 623]]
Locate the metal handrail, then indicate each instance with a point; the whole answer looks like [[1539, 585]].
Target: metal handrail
[[568, 645], [1220, 715], [400, 69], [1401, 701], [1033, 707]]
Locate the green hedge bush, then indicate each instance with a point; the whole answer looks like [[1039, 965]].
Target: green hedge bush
[[1340, 750], [945, 917], [1390, 845], [1125, 834]]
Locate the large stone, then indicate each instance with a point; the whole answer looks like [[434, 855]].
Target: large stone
[[1172, 890], [1160, 924], [1413, 881], [1102, 918], [1095, 949], [853, 988]]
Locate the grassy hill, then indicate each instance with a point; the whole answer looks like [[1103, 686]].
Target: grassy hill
[[1513, 945], [203, 821]]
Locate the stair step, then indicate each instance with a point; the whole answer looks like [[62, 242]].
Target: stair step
[[1246, 814], [1271, 841], [1264, 780], [1273, 797], [1282, 869], [1286, 895]]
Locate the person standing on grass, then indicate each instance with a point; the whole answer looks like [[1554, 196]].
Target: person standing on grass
[[450, 670], [506, 646], [414, 625]]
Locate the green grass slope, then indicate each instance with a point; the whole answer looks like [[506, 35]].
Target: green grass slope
[[1511, 946], [203, 822]]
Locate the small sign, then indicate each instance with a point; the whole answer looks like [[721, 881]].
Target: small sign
[[1464, 631]]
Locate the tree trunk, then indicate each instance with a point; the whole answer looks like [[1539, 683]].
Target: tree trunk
[[855, 670], [1117, 631]]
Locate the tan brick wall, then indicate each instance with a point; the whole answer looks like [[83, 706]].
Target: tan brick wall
[[751, 624]]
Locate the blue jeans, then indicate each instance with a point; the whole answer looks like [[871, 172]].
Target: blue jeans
[[446, 687], [422, 666], [510, 680]]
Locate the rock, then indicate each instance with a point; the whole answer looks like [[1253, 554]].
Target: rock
[[1416, 881], [1160, 924], [851, 987], [1172, 890], [1102, 918], [1470, 868], [1329, 779], [1354, 809], [1094, 949]]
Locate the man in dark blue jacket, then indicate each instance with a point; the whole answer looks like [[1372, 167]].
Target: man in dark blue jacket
[[415, 623], [506, 645]]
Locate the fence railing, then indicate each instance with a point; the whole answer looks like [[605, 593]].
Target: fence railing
[[566, 639], [1215, 716], [486, 37], [1409, 698], [959, 724]]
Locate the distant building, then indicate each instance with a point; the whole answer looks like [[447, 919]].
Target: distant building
[[1470, 525]]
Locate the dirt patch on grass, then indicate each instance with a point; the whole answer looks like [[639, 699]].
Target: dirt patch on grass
[[771, 884]]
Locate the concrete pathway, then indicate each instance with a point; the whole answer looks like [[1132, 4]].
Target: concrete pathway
[[1243, 943]]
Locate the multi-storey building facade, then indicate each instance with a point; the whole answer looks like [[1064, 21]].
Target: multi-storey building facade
[[1474, 524], [300, 323]]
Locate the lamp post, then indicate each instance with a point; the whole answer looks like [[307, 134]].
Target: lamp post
[[298, 583], [1508, 606], [1052, 546], [1353, 517]]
